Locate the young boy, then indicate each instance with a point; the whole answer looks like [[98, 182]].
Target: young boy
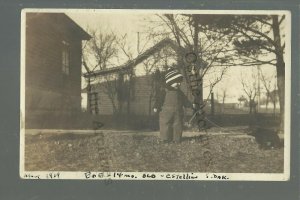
[[170, 102]]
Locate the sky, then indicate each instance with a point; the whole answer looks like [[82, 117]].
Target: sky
[[123, 23], [119, 23]]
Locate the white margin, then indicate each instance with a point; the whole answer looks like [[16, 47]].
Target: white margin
[[287, 99], [22, 94]]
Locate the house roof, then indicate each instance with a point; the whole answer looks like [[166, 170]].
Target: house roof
[[99, 84], [140, 58], [60, 21]]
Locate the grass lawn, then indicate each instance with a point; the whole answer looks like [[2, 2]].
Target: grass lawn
[[141, 151]]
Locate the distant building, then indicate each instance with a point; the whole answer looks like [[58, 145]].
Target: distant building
[[139, 102], [53, 69], [129, 95], [231, 105]]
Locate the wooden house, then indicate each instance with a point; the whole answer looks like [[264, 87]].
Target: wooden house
[[53, 43], [131, 95]]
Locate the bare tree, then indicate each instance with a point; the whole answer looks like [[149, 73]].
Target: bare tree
[[211, 48], [241, 99], [153, 68], [97, 55], [274, 97], [250, 89], [221, 96], [263, 35], [258, 40], [227, 40], [268, 85], [127, 86], [191, 34], [149, 66]]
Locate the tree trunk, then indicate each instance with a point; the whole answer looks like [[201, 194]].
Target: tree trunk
[[129, 96], [280, 68], [267, 101], [212, 103], [88, 93], [150, 97], [128, 102], [251, 105], [110, 90], [274, 108], [115, 110]]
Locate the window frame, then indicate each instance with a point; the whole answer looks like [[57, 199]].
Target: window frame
[[65, 59]]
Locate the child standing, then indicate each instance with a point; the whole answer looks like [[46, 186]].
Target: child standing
[[170, 102]]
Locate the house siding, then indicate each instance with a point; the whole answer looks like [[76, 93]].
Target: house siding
[[47, 90], [139, 104]]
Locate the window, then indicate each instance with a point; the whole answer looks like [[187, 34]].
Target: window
[[65, 58]]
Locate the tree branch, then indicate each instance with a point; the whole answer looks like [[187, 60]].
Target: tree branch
[[281, 20], [259, 33]]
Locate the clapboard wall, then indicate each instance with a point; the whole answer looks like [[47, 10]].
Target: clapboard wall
[[140, 103], [49, 91]]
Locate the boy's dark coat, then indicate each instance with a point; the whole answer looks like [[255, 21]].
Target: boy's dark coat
[[170, 103]]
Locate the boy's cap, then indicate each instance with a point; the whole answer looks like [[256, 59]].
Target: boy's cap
[[173, 76]]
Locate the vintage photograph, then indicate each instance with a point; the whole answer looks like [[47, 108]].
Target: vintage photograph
[[155, 94]]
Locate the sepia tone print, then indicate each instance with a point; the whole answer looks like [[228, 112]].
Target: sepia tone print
[[197, 94]]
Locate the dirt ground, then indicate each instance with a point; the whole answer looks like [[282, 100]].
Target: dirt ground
[[137, 151]]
